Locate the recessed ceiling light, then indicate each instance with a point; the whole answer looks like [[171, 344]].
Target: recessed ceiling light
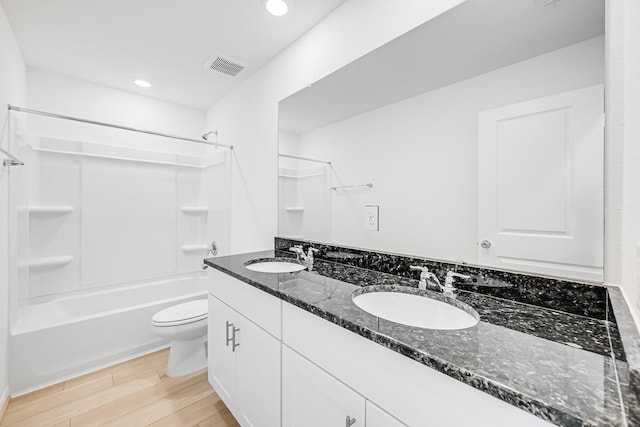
[[142, 83], [277, 7]]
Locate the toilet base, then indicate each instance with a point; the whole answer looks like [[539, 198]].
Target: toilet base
[[187, 356]]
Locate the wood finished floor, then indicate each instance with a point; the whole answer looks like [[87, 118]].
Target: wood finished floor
[[133, 393]]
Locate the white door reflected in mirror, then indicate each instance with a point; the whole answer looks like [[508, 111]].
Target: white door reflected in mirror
[[540, 174]]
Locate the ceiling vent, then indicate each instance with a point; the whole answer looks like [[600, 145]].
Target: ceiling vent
[[224, 64]]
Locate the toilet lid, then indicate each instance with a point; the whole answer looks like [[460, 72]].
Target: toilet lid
[[180, 314]]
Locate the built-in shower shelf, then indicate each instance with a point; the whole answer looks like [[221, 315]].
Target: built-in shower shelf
[[194, 210], [49, 210], [302, 173], [96, 150], [293, 209], [193, 248], [50, 262]]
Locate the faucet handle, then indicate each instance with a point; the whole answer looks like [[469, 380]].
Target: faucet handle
[[451, 275], [297, 249], [427, 278], [424, 271]]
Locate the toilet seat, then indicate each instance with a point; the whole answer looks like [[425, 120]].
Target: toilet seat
[[182, 314]]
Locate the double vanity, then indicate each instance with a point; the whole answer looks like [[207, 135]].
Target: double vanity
[[354, 341]]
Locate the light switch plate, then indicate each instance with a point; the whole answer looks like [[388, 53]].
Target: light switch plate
[[371, 218]]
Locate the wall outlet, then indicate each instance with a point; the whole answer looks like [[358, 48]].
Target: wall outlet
[[371, 218]]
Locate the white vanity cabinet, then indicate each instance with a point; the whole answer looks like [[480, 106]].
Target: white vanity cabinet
[[244, 363]]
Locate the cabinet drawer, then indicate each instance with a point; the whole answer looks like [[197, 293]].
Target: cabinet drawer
[[258, 306]]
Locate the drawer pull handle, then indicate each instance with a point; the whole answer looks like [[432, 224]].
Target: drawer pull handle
[[350, 421]]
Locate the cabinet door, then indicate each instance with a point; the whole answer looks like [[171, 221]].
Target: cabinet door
[[313, 398], [222, 360], [376, 417], [258, 375]]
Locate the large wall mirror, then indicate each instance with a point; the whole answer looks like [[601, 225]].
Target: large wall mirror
[[477, 137]]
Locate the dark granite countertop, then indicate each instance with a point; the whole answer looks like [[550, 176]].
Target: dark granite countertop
[[557, 365]]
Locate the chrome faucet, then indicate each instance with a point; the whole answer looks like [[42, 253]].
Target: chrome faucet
[[307, 260], [298, 250], [428, 280], [449, 289]]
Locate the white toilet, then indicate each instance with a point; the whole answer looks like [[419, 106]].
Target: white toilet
[[186, 326]]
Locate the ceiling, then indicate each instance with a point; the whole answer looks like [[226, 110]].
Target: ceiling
[[165, 42], [471, 39]]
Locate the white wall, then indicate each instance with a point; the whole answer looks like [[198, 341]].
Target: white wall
[[65, 95], [421, 155], [288, 143], [622, 154], [12, 90], [631, 221], [248, 116]]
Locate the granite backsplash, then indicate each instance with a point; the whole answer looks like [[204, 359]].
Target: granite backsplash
[[583, 299]]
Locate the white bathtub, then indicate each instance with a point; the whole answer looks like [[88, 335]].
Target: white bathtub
[[55, 340]]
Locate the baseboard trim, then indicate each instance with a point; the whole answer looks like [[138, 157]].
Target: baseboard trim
[[4, 402]]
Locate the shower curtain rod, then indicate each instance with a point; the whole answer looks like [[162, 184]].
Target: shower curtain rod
[[111, 125], [303, 158], [340, 187]]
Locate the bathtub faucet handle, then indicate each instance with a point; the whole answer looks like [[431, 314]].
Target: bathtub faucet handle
[[211, 252], [213, 249]]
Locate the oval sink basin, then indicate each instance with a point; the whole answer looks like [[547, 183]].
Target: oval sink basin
[[274, 265], [416, 309]]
